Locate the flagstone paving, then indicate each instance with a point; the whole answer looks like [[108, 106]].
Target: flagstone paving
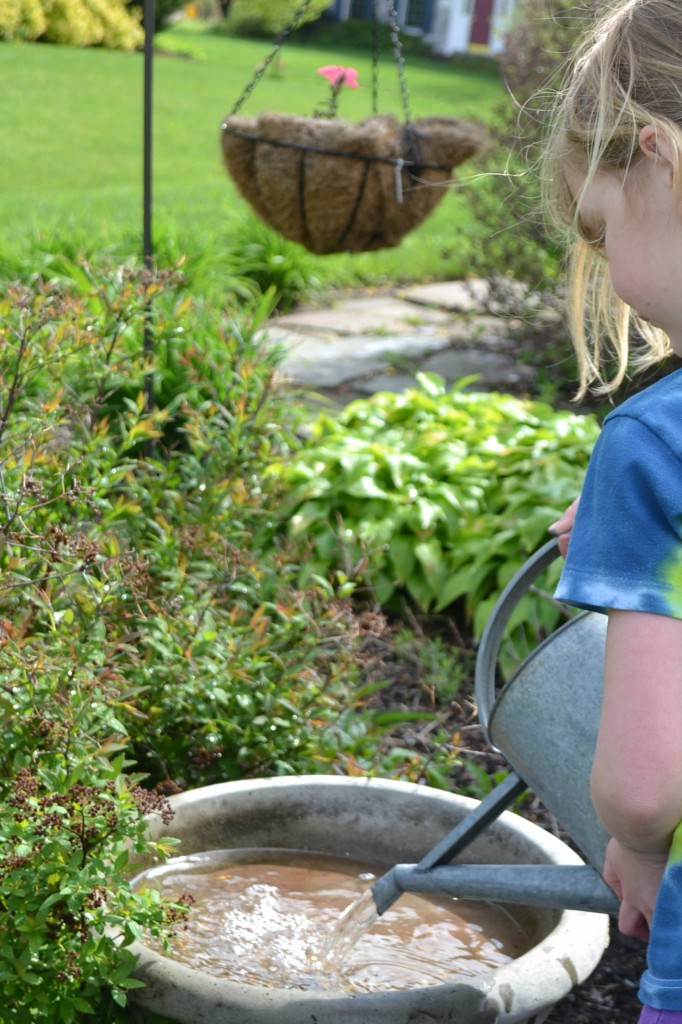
[[354, 346]]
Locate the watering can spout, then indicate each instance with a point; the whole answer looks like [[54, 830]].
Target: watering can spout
[[532, 885], [578, 887], [387, 890]]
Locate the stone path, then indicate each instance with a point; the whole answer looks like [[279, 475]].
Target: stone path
[[354, 346]]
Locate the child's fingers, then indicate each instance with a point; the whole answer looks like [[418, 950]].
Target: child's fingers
[[564, 523], [563, 526], [632, 922]]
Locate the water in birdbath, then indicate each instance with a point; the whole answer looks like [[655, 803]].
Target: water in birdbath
[[290, 919]]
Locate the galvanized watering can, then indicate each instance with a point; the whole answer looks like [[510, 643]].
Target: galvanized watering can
[[545, 722]]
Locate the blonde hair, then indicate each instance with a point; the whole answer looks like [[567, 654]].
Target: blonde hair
[[627, 75]]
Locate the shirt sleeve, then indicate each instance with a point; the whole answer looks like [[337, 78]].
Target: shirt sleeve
[[626, 545]]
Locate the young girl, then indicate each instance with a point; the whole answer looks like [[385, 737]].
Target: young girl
[[614, 176]]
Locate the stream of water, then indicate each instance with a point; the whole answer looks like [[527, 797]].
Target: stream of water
[[352, 925]]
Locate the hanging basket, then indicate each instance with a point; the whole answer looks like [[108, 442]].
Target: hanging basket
[[337, 186]]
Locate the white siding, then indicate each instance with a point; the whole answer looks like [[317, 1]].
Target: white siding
[[452, 26]]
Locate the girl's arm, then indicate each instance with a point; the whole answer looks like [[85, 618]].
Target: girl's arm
[[637, 773]]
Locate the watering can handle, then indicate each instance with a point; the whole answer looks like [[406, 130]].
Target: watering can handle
[[486, 660]]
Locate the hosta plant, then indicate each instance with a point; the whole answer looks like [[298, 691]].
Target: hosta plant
[[433, 494]]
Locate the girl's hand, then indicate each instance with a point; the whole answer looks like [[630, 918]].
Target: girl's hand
[[635, 877], [564, 524]]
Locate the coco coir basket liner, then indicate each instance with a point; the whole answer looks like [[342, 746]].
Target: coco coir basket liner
[[338, 186]]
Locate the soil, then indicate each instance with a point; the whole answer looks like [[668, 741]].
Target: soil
[[609, 996]]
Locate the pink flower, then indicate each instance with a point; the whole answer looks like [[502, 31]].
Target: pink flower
[[338, 75]]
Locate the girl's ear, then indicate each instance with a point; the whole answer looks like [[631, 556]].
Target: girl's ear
[[655, 144]]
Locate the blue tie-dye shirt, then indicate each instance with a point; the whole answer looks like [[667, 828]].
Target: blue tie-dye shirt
[[626, 552], [626, 545]]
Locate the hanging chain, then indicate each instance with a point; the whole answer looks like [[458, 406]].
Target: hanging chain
[[399, 59], [397, 54], [277, 45]]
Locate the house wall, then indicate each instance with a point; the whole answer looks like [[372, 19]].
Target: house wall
[[503, 17], [450, 26], [342, 10], [466, 26]]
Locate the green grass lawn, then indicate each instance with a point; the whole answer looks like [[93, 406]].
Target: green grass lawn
[[71, 121]]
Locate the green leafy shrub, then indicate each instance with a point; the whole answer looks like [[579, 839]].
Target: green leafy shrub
[[69, 821], [22, 19], [121, 28], [438, 495], [92, 576], [70, 816], [156, 522], [72, 22], [271, 16], [273, 264], [505, 195]]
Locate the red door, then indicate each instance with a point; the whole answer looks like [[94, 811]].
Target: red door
[[480, 26]]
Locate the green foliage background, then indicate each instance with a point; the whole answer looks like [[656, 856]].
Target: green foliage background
[[275, 15], [506, 205]]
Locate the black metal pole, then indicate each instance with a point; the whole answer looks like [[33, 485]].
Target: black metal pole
[[147, 242], [147, 146]]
